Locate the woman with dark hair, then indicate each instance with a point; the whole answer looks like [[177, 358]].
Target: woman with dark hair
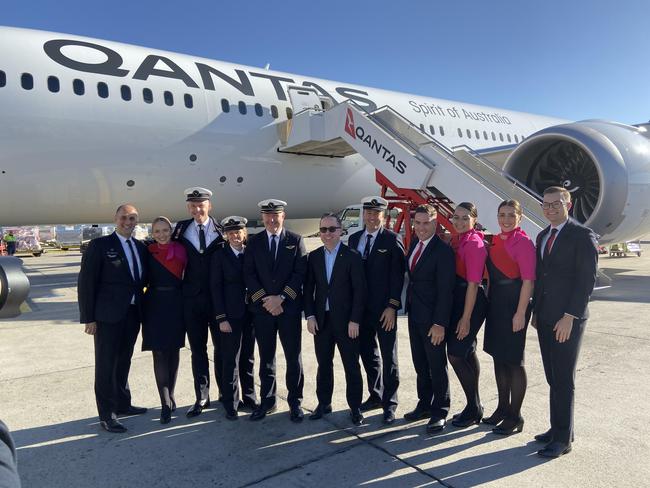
[[468, 310], [511, 268], [163, 331], [235, 323]]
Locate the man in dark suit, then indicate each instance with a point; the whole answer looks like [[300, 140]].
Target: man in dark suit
[[567, 263], [334, 301], [275, 264], [383, 258], [201, 237], [8, 465], [110, 297], [432, 273]]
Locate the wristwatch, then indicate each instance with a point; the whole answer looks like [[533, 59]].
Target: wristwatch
[[284, 297]]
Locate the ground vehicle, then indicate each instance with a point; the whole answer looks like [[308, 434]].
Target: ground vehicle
[[624, 248], [68, 236], [352, 219], [27, 239]]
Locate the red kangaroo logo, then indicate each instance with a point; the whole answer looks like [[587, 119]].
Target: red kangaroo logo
[[349, 124]]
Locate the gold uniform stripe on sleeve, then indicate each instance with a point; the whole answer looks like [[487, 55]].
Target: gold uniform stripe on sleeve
[[222, 316], [392, 301], [290, 292]]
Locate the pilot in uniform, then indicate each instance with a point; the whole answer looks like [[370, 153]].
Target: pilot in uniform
[[275, 265], [201, 236], [382, 253]]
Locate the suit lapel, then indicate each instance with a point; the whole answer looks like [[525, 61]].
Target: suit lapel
[[120, 250], [338, 263], [379, 241], [425, 253], [560, 238]]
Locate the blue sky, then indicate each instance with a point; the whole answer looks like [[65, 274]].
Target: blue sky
[[574, 59]]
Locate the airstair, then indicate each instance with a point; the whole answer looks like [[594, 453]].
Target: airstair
[[411, 167]]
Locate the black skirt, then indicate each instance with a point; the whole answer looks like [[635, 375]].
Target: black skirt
[[468, 344]]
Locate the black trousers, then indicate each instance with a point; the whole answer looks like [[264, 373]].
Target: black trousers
[[382, 371], [560, 362], [114, 344], [238, 358], [288, 327], [332, 334], [197, 312], [430, 362]]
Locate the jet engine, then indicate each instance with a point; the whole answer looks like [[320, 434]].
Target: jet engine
[[604, 165]]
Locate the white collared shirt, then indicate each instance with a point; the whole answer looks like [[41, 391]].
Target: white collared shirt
[[192, 233], [415, 250], [129, 257], [542, 246], [364, 238], [237, 252]]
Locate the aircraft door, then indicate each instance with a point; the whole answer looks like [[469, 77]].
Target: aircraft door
[[304, 98]]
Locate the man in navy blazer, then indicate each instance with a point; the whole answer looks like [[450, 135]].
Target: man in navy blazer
[[382, 252], [334, 301], [432, 274], [110, 296], [567, 264], [275, 264]]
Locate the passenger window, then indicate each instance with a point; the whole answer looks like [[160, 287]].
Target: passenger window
[[501, 136], [289, 113], [147, 95], [509, 140], [225, 106], [516, 138], [3, 79], [442, 130], [126, 93], [274, 112], [102, 89], [169, 98], [485, 135], [494, 137], [53, 84], [433, 131], [258, 110], [469, 133], [242, 108], [78, 87], [27, 81], [189, 103], [460, 132]]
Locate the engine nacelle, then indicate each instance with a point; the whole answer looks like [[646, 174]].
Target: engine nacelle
[[606, 167], [14, 287]]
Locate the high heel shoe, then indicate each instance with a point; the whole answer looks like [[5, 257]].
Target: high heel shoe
[[466, 419], [510, 426], [495, 418], [165, 415]]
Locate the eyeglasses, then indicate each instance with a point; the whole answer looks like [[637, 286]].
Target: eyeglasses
[[331, 229], [555, 205]]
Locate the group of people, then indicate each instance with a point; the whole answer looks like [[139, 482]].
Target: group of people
[[202, 277]]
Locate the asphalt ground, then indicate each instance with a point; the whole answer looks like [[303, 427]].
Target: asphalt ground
[[46, 398]]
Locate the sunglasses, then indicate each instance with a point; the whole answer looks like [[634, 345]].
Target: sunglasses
[[331, 229]]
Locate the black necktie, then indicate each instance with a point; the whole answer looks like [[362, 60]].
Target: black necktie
[[136, 268], [549, 243], [201, 238], [274, 248], [366, 250]]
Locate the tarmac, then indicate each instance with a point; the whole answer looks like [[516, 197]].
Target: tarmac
[[46, 398]]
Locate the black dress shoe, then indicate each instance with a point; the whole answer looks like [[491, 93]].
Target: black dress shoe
[[247, 406], [495, 418], [356, 417], [197, 408], [545, 437], [231, 413], [370, 404], [112, 425], [417, 414], [132, 410], [509, 426], [389, 417], [261, 412], [555, 449], [435, 425], [165, 415], [466, 418], [320, 411], [296, 414]]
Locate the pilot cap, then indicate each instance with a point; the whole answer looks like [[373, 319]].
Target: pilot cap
[[197, 194], [272, 205], [234, 222], [374, 203]]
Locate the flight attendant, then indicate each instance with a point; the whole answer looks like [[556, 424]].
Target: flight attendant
[[230, 304], [163, 329], [511, 268], [468, 310]]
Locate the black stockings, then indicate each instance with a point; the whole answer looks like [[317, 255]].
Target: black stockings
[[165, 367], [511, 385], [467, 370]]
